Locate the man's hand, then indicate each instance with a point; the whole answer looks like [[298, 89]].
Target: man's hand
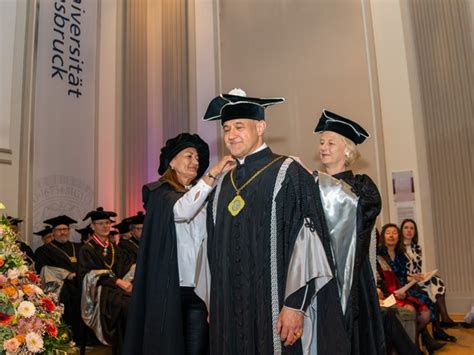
[[290, 325], [71, 275], [124, 285]]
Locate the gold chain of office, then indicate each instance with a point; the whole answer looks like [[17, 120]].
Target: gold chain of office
[[238, 203], [72, 258]]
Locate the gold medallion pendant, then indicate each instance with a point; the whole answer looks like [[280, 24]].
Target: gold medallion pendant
[[236, 205], [73, 259]]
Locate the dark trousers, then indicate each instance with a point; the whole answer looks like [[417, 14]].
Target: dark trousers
[[195, 326]]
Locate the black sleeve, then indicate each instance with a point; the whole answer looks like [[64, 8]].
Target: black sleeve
[[40, 259], [301, 299]]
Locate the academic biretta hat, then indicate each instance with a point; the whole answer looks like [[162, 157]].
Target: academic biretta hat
[[330, 121], [99, 213], [123, 227], [236, 104], [87, 230], [139, 218], [182, 141], [44, 232], [56, 221], [14, 221]]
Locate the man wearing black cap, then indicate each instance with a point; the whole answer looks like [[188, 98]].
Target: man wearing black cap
[[25, 248], [265, 257], [102, 266], [57, 264], [131, 245], [46, 235], [86, 233]]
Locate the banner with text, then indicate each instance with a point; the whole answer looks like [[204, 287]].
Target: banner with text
[[65, 109]]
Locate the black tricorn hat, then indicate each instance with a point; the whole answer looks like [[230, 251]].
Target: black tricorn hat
[[56, 221], [123, 227], [182, 141], [44, 232], [330, 121], [14, 221], [139, 218], [99, 213], [236, 104], [87, 230]]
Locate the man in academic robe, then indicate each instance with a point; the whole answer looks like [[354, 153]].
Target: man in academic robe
[[135, 226], [266, 260], [25, 248], [85, 233], [105, 294], [57, 264], [46, 235]]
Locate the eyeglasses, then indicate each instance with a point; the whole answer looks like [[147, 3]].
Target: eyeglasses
[[102, 223], [64, 229]]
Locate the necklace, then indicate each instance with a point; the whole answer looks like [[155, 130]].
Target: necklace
[[238, 203], [72, 258], [105, 245]]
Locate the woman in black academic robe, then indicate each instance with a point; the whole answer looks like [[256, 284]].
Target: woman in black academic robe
[[351, 204], [166, 316]]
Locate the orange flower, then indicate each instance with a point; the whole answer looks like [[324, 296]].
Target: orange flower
[[14, 281], [10, 291], [48, 304], [28, 290], [20, 338], [2, 262]]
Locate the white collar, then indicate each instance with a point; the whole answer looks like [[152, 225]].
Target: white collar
[[262, 147]]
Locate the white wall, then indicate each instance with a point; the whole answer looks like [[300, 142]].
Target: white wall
[[203, 70], [12, 41], [108, 107], [401, 109]]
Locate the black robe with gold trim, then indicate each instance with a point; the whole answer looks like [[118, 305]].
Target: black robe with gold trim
[[62, 255], [113, 300]]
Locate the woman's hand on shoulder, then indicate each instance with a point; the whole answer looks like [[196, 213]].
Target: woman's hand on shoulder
[[226, 163]]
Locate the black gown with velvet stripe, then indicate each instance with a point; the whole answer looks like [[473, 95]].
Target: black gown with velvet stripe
[[154, 319], [239, 255]]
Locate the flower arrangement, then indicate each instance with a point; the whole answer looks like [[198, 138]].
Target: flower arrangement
[[30, 320]]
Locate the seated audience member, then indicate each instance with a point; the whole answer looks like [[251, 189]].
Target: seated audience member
[[46, 235], [135, 225], [56, 262], [434, 287], [123, 228], [25, 248], [86, 233], [105, 295], [391, 272]]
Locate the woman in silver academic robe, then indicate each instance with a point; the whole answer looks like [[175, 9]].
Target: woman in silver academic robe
[[350, 204]]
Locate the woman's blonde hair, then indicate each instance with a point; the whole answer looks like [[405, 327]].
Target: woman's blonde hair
[[170, 177], [352, 153]]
